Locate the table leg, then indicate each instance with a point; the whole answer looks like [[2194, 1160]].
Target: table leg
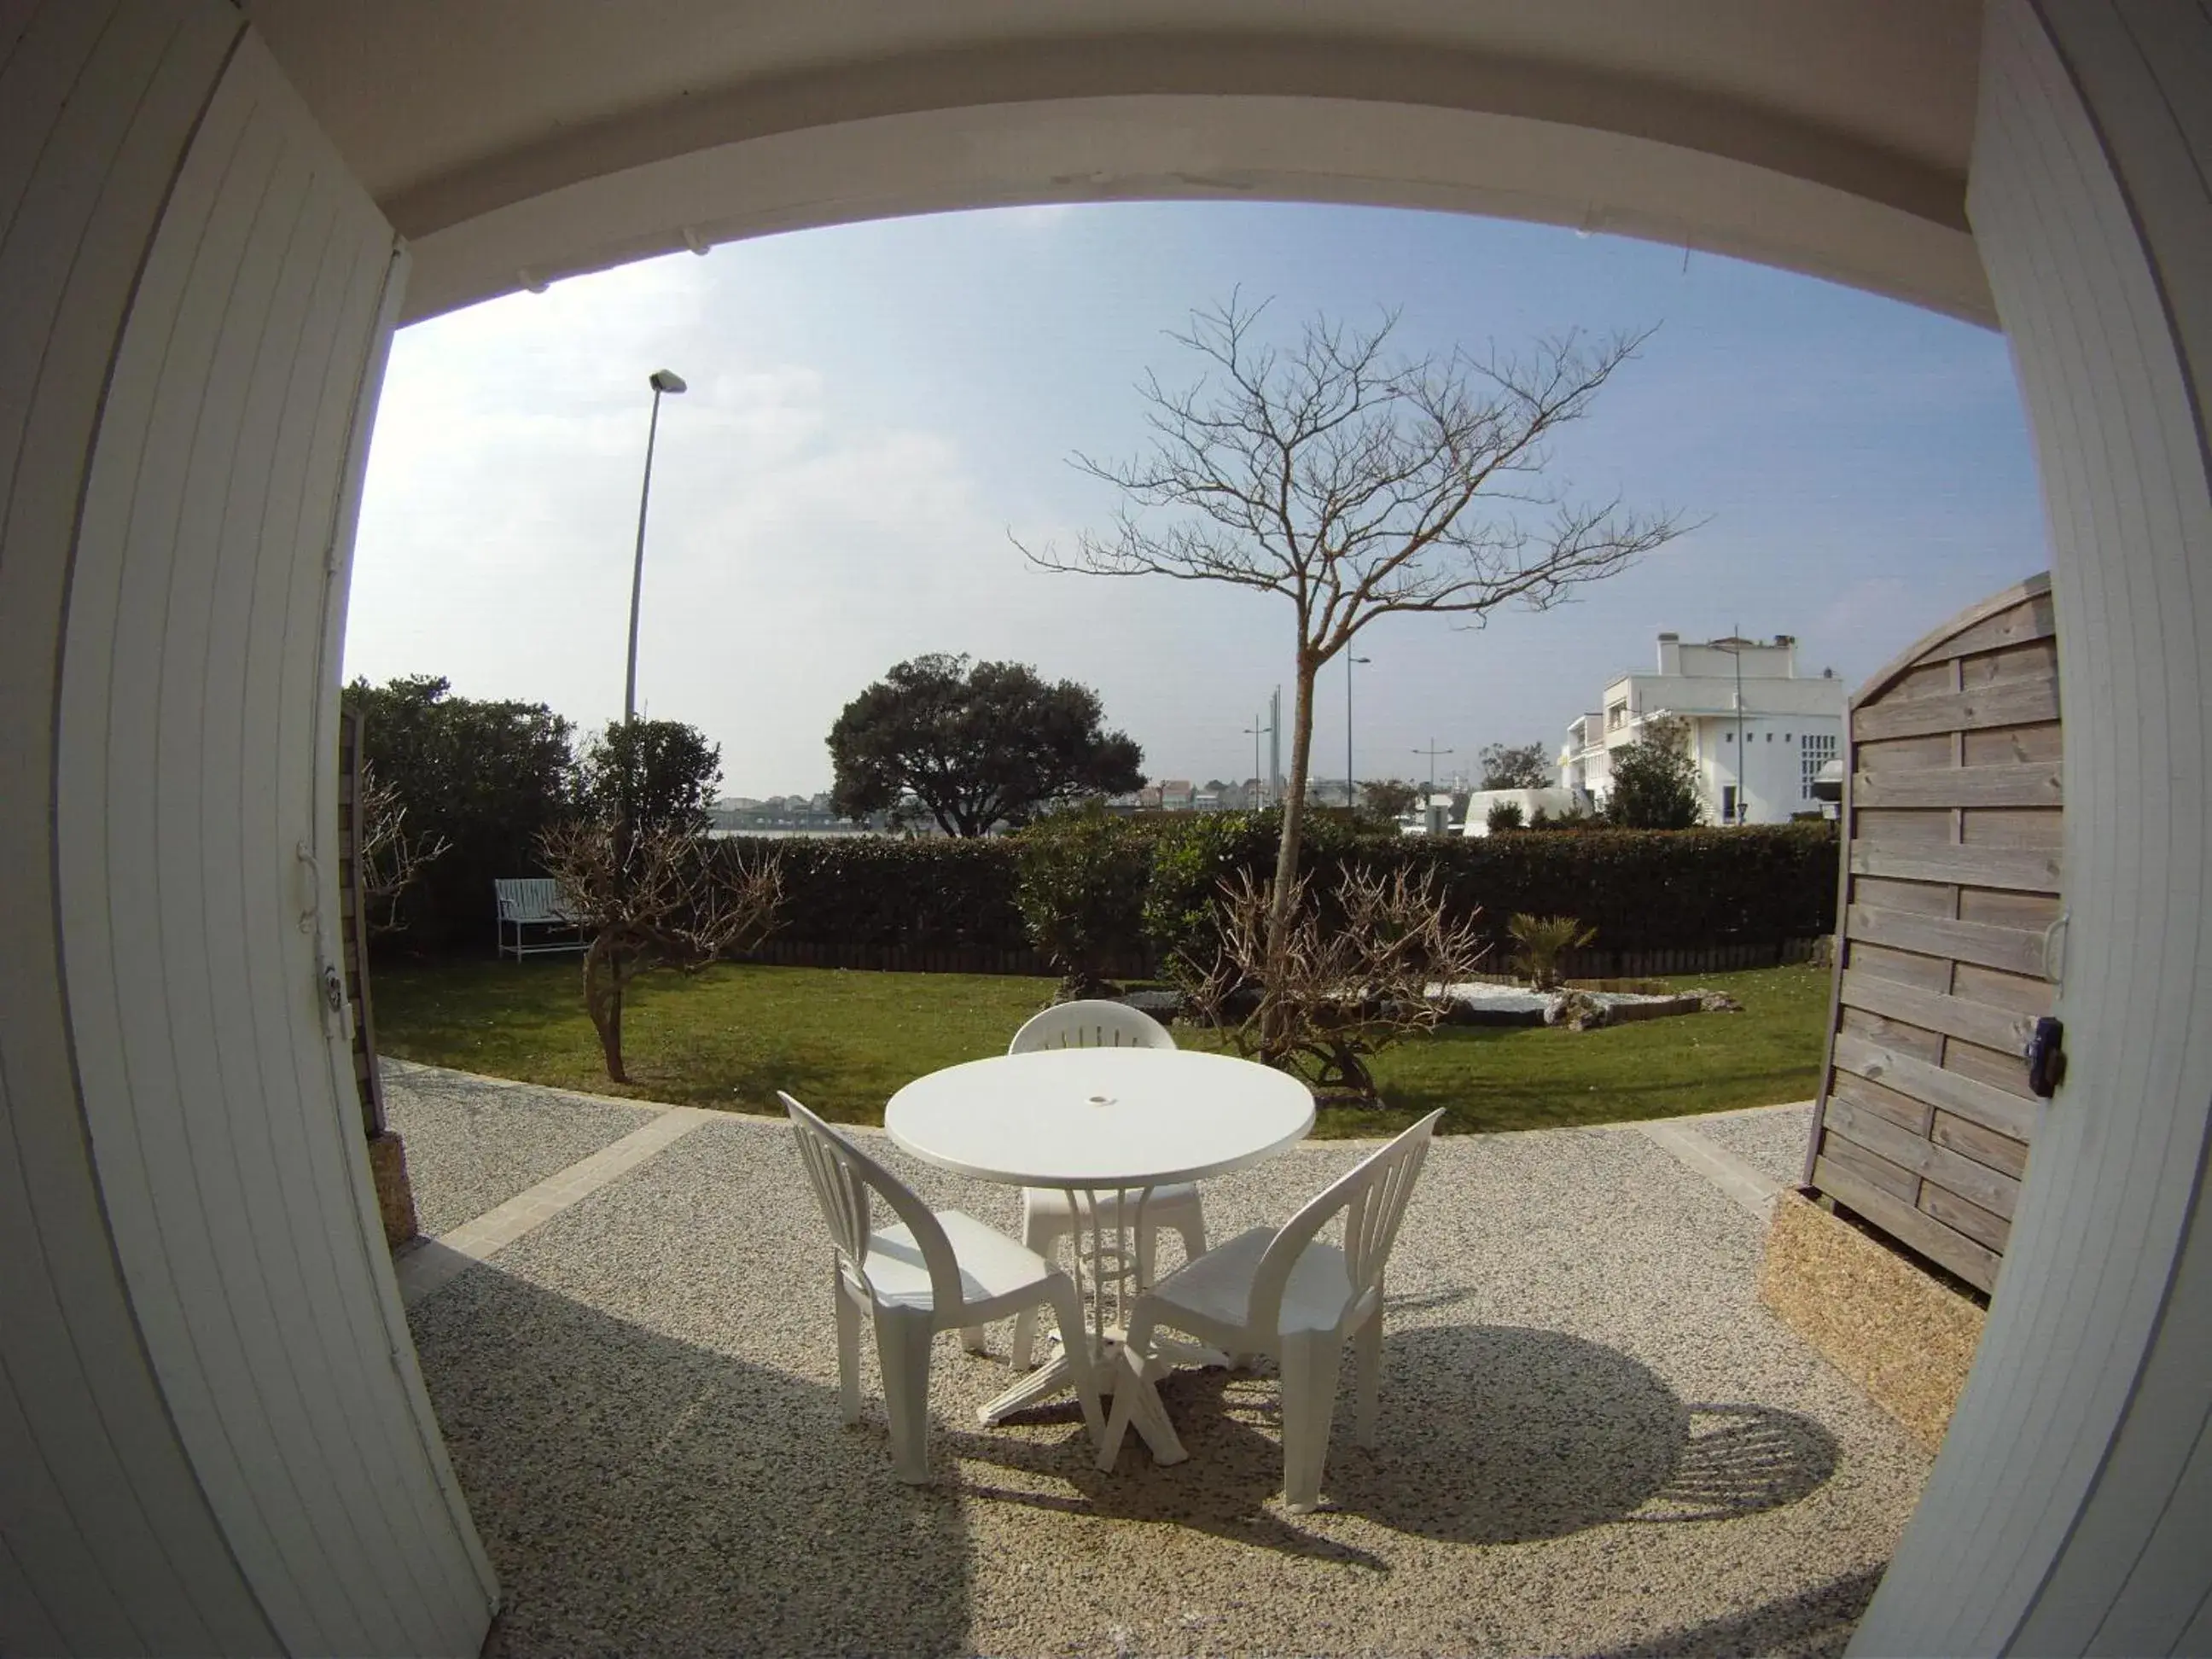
[[1115, 1369], [1100, 1263]]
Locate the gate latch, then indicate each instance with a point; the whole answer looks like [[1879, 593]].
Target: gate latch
[[339, 1007], [2046, 1058]]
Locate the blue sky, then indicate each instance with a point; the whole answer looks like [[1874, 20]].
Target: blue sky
[[875, 408]]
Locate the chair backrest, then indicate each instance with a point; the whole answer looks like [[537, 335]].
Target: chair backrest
[[1372, 1198], [529, 898], [1092, 1025], [843, 1177]]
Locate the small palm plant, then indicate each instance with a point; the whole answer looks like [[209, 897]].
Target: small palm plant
[[1543, 940]]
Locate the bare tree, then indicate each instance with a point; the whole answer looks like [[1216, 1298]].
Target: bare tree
[[1329, 995], [656, 897], [388, 857], [1357, 485]]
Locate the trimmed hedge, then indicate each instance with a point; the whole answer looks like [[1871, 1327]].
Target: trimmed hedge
[[875, 891], [1642, 890], [1652, 889]]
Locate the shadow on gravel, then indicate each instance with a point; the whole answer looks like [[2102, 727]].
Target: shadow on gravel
[[1490, 1435], [1816, 1624], [640, 1494]]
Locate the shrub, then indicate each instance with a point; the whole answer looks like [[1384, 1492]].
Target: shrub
[[1355, 975], [1654, 782], [1194, 859], [1082, 878], [1504, 815], [485, 778], [1543, 940]]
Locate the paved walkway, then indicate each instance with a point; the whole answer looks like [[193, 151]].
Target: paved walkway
[[1594, 1439]]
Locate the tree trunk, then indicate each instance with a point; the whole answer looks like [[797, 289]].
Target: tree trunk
[[1286, 854], [603, 1001]]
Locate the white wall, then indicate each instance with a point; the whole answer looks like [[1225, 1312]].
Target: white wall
[[213, 1433], [1772, 773]]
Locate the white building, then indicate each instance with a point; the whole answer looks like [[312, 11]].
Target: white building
[[1759, 732]]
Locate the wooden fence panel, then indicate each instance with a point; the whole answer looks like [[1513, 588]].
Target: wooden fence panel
[[1951, 874]]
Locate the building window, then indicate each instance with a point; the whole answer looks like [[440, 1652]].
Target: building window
[[1817, 750], [1727, 803], [1728, 737]]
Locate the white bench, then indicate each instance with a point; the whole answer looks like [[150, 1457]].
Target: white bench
[[534, 902]]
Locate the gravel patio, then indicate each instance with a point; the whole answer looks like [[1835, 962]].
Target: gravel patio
[[1594, 1440]]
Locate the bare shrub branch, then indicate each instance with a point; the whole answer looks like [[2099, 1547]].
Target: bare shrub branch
[[389, 858], [664, 900], [1348, 985]]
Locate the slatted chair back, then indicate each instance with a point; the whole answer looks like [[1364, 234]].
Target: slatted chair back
[[1091, 1024], [1372, 1199], [530, 899], [844, 1178]]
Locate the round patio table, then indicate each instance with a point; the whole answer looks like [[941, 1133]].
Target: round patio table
[[1098, 1123]]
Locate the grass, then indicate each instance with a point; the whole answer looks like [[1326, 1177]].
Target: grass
[[844, 1042]]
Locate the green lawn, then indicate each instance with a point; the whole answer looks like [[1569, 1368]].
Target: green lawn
[[844, 1042]]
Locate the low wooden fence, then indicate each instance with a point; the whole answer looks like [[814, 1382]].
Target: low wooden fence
[[984, 959], [908, 959], [1588, 966]]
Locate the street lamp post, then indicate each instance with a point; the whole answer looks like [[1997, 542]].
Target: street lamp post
[[1432, 752], [1351, 790], [661, 380]]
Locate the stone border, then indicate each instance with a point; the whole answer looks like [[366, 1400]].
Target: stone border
[[1748, 1185]]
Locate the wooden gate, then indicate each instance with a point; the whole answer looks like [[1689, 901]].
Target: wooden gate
[[1951, 884]]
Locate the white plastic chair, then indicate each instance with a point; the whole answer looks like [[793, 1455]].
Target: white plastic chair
[[934, 1271], [1047, 1216], [1292, 1294]]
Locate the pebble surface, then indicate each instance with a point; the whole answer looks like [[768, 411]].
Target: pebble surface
[[474, 1142], [1770, 1138], [1594, 1439]]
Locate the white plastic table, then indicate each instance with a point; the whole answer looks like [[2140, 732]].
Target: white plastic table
[[1094, 1122]]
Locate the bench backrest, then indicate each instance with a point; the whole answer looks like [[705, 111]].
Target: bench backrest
[[530, 899]]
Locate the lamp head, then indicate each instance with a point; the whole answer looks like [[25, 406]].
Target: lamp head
[[667, 380]]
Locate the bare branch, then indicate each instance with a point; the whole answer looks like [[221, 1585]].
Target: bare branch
[[388, 859], [1356, 483], [653, 898], [1341, 986]]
